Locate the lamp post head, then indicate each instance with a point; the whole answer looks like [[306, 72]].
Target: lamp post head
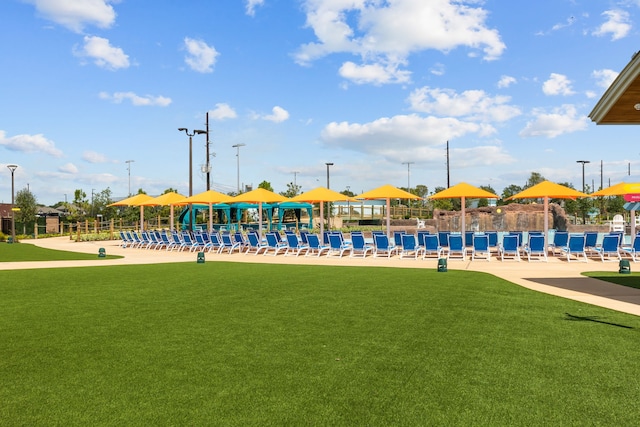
[[12, 168], [329, 164], [238, 145], [182, 129], [583, 161], [199, 131]]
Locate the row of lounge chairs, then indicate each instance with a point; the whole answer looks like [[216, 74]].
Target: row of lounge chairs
[[422, 245]]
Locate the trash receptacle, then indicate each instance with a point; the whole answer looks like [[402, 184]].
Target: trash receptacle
[[200, 259], [442, 265], [625, 267]]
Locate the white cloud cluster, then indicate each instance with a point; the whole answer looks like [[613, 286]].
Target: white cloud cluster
[[68, 168], [94, 157], [76, 14], [506, 81], [103, 54], [475, 105], [136, 100], [200, 56], [251, 6], [557, 84], [223, 112], [385, 33], [29, 144], [604, 77], [617, 24], [560, 120], [278, 114]]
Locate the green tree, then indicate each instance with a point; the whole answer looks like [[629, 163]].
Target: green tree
[[508, 192], [292, 190], [442, 204], [79, 208], [535, 178], [101, 202], [26, 202], [266, 185], [485, 202]]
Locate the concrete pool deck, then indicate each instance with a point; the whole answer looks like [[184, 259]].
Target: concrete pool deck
[[556, 277]]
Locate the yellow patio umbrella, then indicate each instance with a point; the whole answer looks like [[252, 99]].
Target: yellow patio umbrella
[[463, 191], [621, 189], [259, 196], [209, 197], [170, 198], [387, 192], [321, 195], [136, 200], [548, 190]]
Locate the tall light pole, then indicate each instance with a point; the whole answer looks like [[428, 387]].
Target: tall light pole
[[328, 213], [13, 168], [128, 162], [408, 174], [190, 135], [584, 214], [237, 147]]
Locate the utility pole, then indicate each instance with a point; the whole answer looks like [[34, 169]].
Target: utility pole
[[128, 162], [448, 179], [208, 165]]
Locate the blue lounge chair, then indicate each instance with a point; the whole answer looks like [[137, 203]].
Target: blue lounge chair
[[560, 240], [535, 248], [456, 248], [255, 246], [294, 245], [610, 247], [359, 247], [575, 246], [410, 247], [443, 238], [382, 246], [216, 242], [337, 245], [274, 245], [590, 241], [493, 240], [420, 235], [239, 238], [229, 244], [468, 238], [315, 247], [431, 246], [397, 238], [634, 250], [510, 247], [480, 247]]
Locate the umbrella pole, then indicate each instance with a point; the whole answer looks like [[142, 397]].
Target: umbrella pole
[[210, 217], [321, 222], [388, 217], [171, 217], [260, 220], [546, 222], [633, 225], [141, 218], [463, 202]]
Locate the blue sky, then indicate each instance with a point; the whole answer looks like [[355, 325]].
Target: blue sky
[[368, 85]]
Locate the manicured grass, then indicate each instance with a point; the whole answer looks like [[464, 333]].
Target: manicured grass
[[13, 252], [631, 280], [248, 344]]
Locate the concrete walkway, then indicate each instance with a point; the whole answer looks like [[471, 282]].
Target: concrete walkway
[[557, 277]]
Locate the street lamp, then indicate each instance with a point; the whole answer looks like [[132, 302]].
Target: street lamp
[[328, 213], [13, 168], [584, 218], [190, 135], [237, 146], [408, 174], [128, 162]]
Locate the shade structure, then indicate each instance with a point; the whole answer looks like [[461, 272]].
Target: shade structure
[[463, 191], [387, 192], [137, 200], [259, 196], [548, 190], [209, 197], [622, 189], [170, 198], [321, 195]]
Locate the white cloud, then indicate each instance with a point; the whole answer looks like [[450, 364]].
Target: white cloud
[[557, 84], [506, 81], [200, 56], [604, 77], [29, 144], [94, 157], [373, 73], [386, 33], [103, 54], [76, 14], [223, 112], [616, 24], [278, 115], [559, 121], [475, 105], [136, 100], [68, 168], [251, 6]]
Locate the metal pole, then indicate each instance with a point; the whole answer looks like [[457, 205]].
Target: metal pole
[[190, 135], [208, 166], [13, 168], [584, 218], [129, 169], [237, 147], [328, 213]]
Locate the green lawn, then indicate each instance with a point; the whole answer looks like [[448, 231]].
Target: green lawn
[[254, 344], [12, 252]]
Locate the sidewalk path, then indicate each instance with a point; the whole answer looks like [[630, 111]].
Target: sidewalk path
[[557, 277]]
